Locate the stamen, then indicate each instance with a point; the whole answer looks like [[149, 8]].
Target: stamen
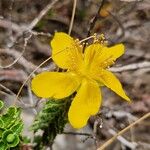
[[87, 44], [107, 63], [77, 41], [78, 44], [90, 37], [73, 55], [95, 38], [100, 39]]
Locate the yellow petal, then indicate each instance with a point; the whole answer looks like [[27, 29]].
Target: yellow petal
[[65, 51], [92, 53], [86, 103], [110, 80], [99, 56], [110, 54], [55, 84], [91, 58]]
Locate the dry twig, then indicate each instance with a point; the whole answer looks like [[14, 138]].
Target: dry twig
[[8, 24], [16, 98], [131, 145], [72, 17], [134, 66], [18, 58], [14, 75], [93, 21], [42, 13], [20, 31], [123, 131]]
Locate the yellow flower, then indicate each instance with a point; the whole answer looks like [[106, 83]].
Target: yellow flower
[[86, 72]]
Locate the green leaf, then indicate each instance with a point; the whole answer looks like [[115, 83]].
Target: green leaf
[[11, 126], [1, 104], [1, 123], [26, 140], [3, 146], [51, 120], [10, 117], [17, 128], [10, 138], [37, 139], [14, 111], [1, 131]]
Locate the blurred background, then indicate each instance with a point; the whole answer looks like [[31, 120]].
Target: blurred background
[[24, 44]]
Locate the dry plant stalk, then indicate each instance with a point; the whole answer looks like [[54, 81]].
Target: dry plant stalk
[[106, 144]]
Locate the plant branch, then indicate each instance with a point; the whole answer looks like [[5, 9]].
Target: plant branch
[[134, 66], [131, 145], [93, 21], [123, 131], [17, 96], [42, 13], [76, 133], [72, 17]]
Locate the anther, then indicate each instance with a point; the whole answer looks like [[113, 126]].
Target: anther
[[101, 39], [95, 40]]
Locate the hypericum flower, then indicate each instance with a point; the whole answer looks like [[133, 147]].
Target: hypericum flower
[[85, 73]]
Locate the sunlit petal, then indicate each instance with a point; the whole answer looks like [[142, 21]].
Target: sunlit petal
[[86, 103], [92, 53], [98, 55], [110, 54], [54, 84], [110, 80], [65, 51]]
